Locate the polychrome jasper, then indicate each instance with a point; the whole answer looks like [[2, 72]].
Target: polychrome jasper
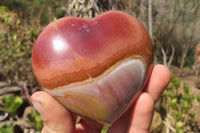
[[95, 67]]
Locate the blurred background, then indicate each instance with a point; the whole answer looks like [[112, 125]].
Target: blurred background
[[174, 26]]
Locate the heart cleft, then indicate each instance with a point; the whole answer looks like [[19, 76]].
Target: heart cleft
[[96, 67]]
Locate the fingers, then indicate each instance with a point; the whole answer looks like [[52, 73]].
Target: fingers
[[159, 80], [55, 117], [142, 114], [144, 107]]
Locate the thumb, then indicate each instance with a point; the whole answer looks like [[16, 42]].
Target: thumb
[[55, 117]]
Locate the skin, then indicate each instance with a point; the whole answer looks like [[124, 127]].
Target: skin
[[136, 120]]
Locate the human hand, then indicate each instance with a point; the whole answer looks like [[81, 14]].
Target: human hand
[[137, 119]]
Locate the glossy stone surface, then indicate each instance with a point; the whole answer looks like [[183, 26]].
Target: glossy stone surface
[[94, 67]]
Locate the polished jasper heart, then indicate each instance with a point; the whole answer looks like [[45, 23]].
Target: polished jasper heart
[[95, 67]]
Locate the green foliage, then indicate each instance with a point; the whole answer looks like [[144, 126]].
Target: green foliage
[[16, 43], [6, 129], [192, 114], [179, 127], [186, 88], [189, 62], [36, 120], [33, 8], [7, 17], [174, 84], [11, 103], [176, 102], [198, 98], [105, 129]]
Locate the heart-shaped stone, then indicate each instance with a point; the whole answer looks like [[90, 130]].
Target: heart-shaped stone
[[95, 67]]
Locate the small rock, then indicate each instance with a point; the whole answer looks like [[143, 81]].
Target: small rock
[[157, 123]]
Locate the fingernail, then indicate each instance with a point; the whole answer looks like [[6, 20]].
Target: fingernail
[[38, 106]]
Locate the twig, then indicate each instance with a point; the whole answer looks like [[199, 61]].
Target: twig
[[171, 57], [164, 57], [19, 122], [40, 13], [50, 14], [169, 126], [9, 89], [167, 122], [3, 123], [95, 5], [27, 93], [32, 10]]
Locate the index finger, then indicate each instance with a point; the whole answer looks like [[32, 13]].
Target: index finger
[[160, 78]]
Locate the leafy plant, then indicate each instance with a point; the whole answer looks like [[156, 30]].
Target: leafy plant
[[16, 41], [198, 98], [11, 103], [6, 129], [176, 103], [105, 129], [189, 62], [36, 120]]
